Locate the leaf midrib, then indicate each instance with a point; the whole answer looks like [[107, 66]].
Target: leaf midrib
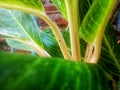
[[34, 43]]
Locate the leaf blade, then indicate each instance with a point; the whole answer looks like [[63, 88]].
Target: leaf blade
[[23, 29], [82, 75], [95, 22], [24, 5]]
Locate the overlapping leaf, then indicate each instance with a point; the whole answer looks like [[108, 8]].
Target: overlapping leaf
[[30, 6], [96, 19], [21, 27]]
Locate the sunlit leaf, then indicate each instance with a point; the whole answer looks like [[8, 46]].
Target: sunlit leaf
[[96, 19], [30, 6]]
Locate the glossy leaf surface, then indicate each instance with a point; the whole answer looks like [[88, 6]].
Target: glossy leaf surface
[[49, 74]]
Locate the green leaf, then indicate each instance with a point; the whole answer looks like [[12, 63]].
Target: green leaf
[[110, 55], [30, 6], [96, 19], [50, 43], [84, 6], [28, 73], [21, 27], [60, 4], [48, 40], [18, 45]]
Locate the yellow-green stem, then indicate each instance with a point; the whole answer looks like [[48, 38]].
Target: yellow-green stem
[[58, 36], [72, 12]]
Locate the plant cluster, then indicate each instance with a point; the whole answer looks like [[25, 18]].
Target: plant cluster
[[89, 38]]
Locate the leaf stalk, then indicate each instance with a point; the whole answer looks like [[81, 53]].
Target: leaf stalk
[[58, 35], [72, 13]]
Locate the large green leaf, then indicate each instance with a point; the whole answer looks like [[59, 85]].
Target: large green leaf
[[96, 19], [21, 27], [28, 73], [30, 6], [110, 55]]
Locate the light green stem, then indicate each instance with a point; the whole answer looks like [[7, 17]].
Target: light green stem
[[58, 36], [72, 12], [56, 31]]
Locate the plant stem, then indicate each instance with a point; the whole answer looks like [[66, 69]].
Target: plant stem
[[94, 49], [58, 36], [72, 12], [93, 52]]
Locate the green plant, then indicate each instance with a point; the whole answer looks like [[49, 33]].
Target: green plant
[[81, 44]]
